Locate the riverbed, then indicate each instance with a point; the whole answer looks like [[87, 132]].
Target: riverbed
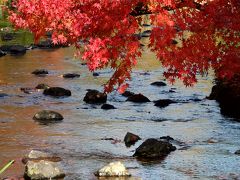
[[208, 139]]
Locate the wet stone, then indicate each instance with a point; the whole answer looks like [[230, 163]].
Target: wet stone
[[127, 94], [47, 115], [40, 72], [71, 75], [113, 169], [163, 103], [159, 83], [95, 74], [153, 148], [14, 49], [95, 97], [28, 90], [107, 106], [43, 170], [138, 98], [2, 95], [57, 92], [36, 155], [131, 139], [42, 86], [237, 152], [2, 53], [167, 138]]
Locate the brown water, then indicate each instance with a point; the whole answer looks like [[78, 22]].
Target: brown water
[[78, 138]]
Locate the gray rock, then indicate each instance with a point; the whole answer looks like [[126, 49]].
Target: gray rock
[[113, 169], [153, 148], [43, 170], [237, 152], [46, 115], [57, 92], [159, 83]]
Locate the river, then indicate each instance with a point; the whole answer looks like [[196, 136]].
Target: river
[[209, 139]]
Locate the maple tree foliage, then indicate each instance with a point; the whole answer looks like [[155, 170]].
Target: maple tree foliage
[[104, 32]]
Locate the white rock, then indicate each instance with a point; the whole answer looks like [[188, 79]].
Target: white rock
[[113, 169], [43, 170], [38, 154]]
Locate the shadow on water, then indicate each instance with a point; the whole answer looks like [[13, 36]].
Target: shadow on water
[[77, 139]]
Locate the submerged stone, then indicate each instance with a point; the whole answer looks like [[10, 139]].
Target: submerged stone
[[57, 92], [163, 102], [159, 83], [107, 106], [42, 86], [138, 98], [40, 72], [47, 115], [113, 169], [71, 75]]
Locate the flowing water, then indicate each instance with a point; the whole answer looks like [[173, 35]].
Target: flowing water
[[208, 139]]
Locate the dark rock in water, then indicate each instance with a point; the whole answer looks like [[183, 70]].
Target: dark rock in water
[[163, 102], [28, 90], [14, 49], [57, 92], [2, 53], [227, 93], [48, 44], [127, 94], [40, 72], [46, 115], [131, 139], [195, 100], [2, 95], [95, 74], [158, 83], [237, 152], [107, 106], [42, 86], [36, 155], [138, 98], [71, 75], [167, 138], [18, 50], [43, 170], [94, 96], [172, 91], [7, 37], [153, 148]]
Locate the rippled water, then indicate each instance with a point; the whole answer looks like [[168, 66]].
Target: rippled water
[[78, 138]]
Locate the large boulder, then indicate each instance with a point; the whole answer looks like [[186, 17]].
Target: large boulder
[[227, 93], [47, 115], [95, 97], [43, 170], [138, 98], [153, 148], [57, 92], [112, 170]]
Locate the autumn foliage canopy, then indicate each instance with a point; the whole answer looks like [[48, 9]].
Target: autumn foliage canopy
[[104, 32]]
